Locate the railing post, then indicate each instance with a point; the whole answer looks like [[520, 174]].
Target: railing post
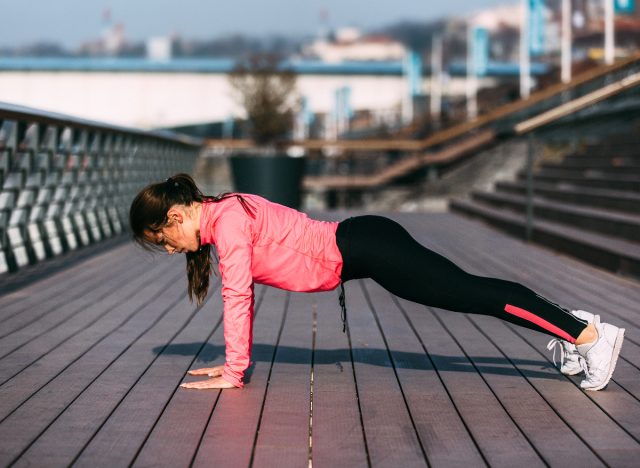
[[529, 221]]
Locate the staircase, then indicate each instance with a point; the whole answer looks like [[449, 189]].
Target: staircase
[[587, 205]]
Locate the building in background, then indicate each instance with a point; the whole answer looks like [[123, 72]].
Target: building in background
[[349, 44]]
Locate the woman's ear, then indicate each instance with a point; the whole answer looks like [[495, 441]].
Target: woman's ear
[[175, 214]]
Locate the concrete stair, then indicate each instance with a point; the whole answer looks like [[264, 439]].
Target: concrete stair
[[587, 178], [587, 206], [618, 200]]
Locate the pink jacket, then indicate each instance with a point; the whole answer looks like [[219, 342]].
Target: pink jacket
[[281, 247]]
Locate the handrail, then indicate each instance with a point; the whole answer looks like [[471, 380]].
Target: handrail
[[578, 104], [67, 182], [10, 111], [445, 155]]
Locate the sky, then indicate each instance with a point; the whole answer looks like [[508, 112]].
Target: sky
[[70, 22]]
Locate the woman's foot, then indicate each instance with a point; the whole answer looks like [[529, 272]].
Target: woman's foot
[[570, 359], [600, 357]]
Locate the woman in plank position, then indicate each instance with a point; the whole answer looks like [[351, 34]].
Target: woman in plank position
[[258, 241]]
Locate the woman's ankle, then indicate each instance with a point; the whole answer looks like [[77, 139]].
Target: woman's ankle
[[588, 335]]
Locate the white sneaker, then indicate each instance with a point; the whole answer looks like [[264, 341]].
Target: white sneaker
[[601, 356], [570, 359]]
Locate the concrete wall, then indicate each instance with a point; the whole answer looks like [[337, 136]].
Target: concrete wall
[[150, 100]]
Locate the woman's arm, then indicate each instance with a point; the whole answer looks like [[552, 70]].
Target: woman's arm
[[235, 251]]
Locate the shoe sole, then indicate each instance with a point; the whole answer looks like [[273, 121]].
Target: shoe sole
[[614, 359]]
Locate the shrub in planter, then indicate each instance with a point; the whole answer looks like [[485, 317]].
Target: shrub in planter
[[266, 91]]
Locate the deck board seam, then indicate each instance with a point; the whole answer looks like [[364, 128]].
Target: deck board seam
[[80, 308], [395, 371], [124, 396], [107, 367], [357, 390], [58, 286], [437, 372], [489, 387], [177, 387], [129, 317], [84, 328], [266, 389], [90, 282]]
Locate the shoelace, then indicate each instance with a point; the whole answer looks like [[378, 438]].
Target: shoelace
[[585, 368], [552, 345]]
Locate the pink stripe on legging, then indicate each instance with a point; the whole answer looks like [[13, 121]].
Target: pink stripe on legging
[[542, 323]]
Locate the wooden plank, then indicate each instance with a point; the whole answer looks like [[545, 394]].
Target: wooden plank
[[59, 316], [337, 433], [129, 425], [603, 434], [554, 441], [24, 356], [175, 438], [443, 433], [25, 424], [46, 284], [283, 438], [37, 307], [74, 428], [53, 286], [498, 438], [232, 428], [23, 385], [389, 431], [109, 388]]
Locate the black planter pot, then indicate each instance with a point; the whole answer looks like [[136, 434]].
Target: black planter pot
[[277, 178]]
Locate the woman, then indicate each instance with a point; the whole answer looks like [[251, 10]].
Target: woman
[[258, 241]]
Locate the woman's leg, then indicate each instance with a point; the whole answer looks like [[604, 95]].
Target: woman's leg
[[379, 248]]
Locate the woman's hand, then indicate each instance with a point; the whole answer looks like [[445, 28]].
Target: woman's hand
[[210, 371], [215, 382]]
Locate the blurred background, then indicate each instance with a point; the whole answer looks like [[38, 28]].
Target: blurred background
[[406, 105]]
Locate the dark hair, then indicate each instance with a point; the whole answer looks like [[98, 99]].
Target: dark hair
[[148, 212]]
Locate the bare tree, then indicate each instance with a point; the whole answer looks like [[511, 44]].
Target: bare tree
[[266, 90]]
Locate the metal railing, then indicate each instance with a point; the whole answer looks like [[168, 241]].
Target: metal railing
[[67, 182]]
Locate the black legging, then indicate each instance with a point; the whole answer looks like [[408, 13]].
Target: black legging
[[379, 248]]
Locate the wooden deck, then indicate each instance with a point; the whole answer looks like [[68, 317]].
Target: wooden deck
[[91, 358]]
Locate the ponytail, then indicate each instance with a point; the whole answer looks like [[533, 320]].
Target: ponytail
[[148, 212]]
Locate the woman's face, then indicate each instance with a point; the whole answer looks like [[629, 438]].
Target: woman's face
[[181, 234]]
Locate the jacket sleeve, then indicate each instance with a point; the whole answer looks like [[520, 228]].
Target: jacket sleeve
[[234, 248]]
